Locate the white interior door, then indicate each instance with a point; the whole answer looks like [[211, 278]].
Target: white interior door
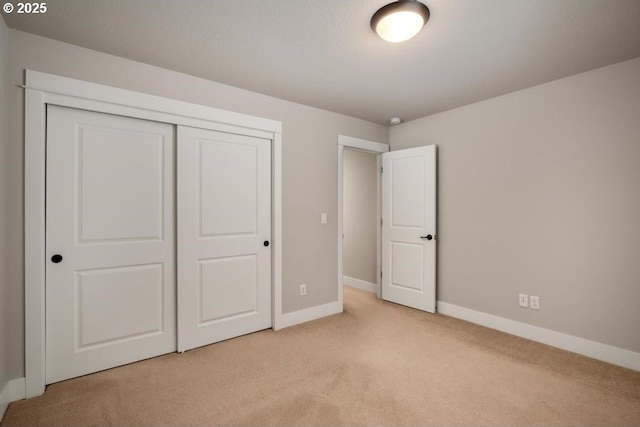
[[409, 227], [224, 231], [110, 272]]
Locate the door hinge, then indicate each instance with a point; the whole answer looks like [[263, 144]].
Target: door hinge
[[381, 274], [381, 169], [381, 222]]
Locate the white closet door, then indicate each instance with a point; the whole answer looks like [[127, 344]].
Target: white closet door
[[224, 233], [110, 269]]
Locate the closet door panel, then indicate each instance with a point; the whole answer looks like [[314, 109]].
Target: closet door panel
[[110, 225], [224, 229]]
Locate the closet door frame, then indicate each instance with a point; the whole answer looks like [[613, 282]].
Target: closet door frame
[[43, 89]]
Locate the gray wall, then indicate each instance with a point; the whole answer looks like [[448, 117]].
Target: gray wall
[[539, 192], [309, 162], [360, 195], [5, 318]]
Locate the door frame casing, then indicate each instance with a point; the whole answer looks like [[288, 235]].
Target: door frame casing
[[43, 89], [376, 148]]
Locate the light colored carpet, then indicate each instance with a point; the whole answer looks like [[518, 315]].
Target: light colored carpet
[[377, 364]]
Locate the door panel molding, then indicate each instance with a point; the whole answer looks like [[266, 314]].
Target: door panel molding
[[43, 89]]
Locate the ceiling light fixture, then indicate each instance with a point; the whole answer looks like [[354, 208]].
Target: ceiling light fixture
[[399, 21]]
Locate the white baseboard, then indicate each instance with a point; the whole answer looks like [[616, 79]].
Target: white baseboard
[[360, 284], [4, 400], [301, 316], [13, 390], [593, 349]]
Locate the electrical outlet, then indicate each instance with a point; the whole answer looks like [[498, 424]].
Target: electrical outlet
[[523, 300], [534, 302], [303, 289]]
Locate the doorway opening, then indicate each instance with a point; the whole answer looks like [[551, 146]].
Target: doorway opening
[[359, 151], [360, 230]]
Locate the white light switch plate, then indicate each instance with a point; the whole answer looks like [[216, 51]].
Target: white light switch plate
[[534, 302], [323, 218]]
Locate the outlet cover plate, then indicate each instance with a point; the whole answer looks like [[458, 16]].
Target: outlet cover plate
[[523, 300]]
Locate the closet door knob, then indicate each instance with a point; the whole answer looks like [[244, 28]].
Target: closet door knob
[[428, 237], [266, 243], [56, 258]]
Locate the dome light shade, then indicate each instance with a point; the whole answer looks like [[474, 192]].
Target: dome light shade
[[399, 21]]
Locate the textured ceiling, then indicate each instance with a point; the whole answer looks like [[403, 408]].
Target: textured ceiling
[[323, 53]]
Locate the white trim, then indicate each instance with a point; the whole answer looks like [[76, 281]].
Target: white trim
[[34, 241], [4, 400], [595, 350], [42, 89], [363, 285], [340, 227], [276, 238], [13, 391], [368, 147], [308, 314], [362, 144], [53, 84], [379, 228], [17, 389]]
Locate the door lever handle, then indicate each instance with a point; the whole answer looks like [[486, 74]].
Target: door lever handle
[[428, 237]]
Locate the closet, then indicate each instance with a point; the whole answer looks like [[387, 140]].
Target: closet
[[158, 238]]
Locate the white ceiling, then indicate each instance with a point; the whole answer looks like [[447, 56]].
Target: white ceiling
[[323, 53]]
